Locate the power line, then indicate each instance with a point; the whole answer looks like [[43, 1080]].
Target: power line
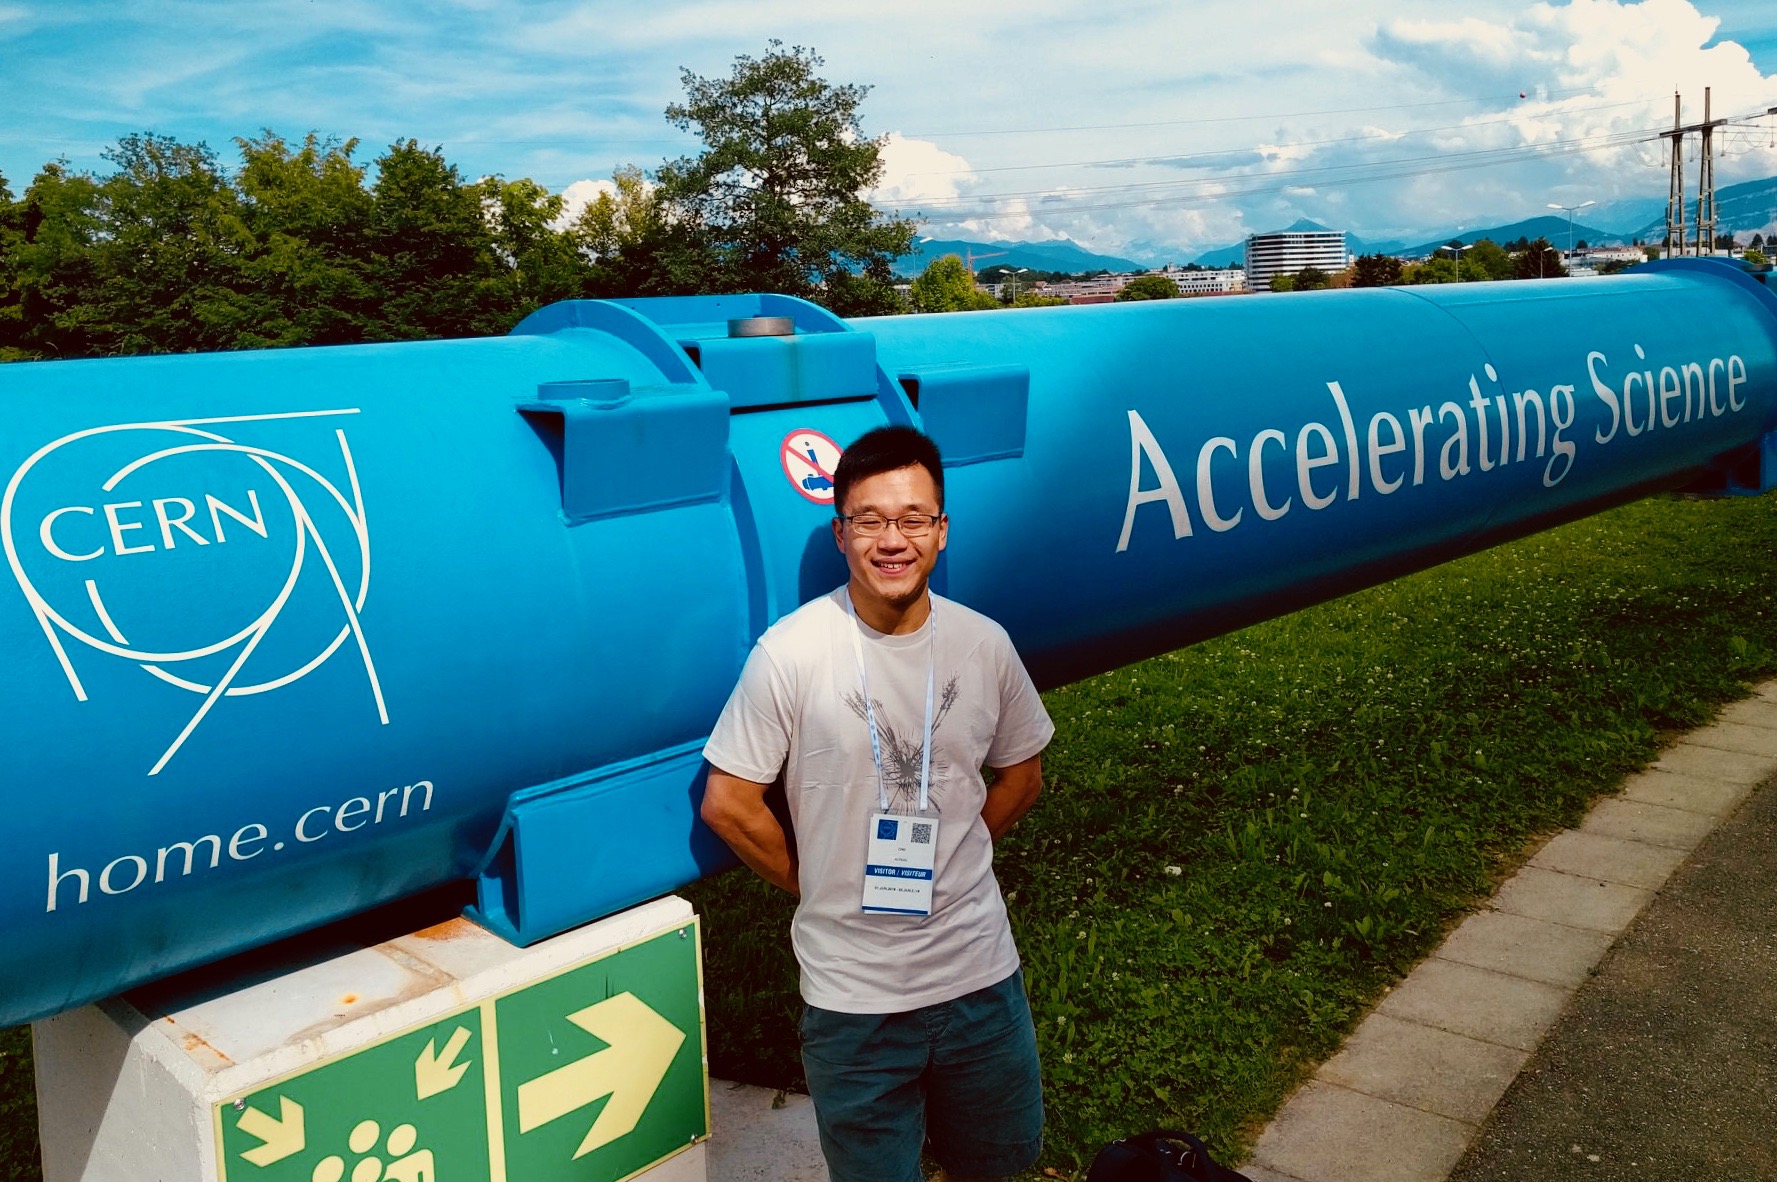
[[982, 207], [934, 135], [1435, 161], [1173, 158], [1278, 181]]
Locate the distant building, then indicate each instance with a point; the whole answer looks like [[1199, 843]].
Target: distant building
[[1607, 254], [1100, 290], [1104, 288], [1288, 252], [1208, 282]]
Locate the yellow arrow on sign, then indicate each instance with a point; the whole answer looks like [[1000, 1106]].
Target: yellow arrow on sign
[[433, 1072], [629, 1070], [282, 1137]]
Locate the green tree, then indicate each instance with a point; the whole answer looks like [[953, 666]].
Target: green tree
[[1540, 261], [431, 251], [1491, 258], [1283, 283], [777, 194], [542, 260], [1148, 287], [1755, 257], [1470, 270], [12, 240], [1438, 269], [946, 286], [1312, 279], [634, 247], [306, 210], [54, 269], [1376, 270], [1035, 299], [169, 258]]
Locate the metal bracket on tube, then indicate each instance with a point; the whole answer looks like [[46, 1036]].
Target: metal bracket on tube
[[1745, 472], [631, 451], [566, 852], [974, 412]]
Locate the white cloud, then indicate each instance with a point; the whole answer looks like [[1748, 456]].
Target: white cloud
[[915, 171], [579, 195], [1592, 69]]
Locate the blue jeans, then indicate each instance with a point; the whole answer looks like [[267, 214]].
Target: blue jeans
[[962, 1074]]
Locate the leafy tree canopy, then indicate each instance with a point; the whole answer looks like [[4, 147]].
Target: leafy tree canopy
[[777, 195], [1312, 279], [946, 286], [1148, 287], [1540, 260], [1490, 259], [1437, 269], [1376, 270]]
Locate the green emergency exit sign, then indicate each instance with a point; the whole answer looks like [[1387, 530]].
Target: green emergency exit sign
[[593, 1074]]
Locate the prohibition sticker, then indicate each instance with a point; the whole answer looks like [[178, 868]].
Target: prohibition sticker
[[810, 459]]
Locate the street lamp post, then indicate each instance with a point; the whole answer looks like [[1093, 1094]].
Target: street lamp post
[[1008, 271], [1456, 256], [1569, 210]]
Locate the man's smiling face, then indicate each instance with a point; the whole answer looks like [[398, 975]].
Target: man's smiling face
[[889, 567]]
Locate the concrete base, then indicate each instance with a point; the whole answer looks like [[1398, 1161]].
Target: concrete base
[[138, 1088]]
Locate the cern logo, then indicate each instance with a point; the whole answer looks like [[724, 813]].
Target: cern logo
[[218, 566]]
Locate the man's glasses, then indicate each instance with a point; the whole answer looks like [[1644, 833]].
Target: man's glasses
[[911, 525]]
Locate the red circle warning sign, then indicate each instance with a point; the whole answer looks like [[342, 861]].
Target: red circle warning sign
[[809, 460]]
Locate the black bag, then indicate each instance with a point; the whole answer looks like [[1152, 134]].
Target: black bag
[[1163, 1155]]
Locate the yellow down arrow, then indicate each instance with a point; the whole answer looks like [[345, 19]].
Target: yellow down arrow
[[629, 1070], [282, 1137], [435, 1071]]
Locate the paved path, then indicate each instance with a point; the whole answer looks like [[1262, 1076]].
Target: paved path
[[1609, 1015], [1666, 1063]]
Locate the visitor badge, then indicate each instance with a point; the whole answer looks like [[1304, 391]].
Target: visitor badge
[[898, 864]]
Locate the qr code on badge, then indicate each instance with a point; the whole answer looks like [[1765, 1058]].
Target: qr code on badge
[[922, 834]]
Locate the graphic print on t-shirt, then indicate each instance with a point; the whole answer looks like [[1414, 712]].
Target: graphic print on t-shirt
[[901, 757]]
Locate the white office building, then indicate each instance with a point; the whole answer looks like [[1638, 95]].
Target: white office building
[[1287, 252], [1224, 282]]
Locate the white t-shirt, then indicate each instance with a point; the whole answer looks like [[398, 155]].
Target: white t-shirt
[[799, 709]]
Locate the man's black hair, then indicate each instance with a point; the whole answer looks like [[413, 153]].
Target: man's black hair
[[886, 449]]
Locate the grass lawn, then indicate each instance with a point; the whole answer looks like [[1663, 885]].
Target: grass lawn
[[1240, 844]]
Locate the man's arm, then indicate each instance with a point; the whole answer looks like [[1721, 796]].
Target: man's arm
[[1013, 791], [736, 810]]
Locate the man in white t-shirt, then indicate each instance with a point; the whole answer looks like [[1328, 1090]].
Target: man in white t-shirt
[[879, 705]]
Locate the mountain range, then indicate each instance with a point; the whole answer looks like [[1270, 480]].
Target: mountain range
[[1744, 209], [1059, 254]]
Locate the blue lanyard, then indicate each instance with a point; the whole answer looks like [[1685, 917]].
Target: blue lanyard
[[925, 754]]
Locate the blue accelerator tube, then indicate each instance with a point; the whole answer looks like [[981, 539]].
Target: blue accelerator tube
[[291, 634]]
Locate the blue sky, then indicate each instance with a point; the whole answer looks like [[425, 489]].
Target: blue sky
[[1177, 125]]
